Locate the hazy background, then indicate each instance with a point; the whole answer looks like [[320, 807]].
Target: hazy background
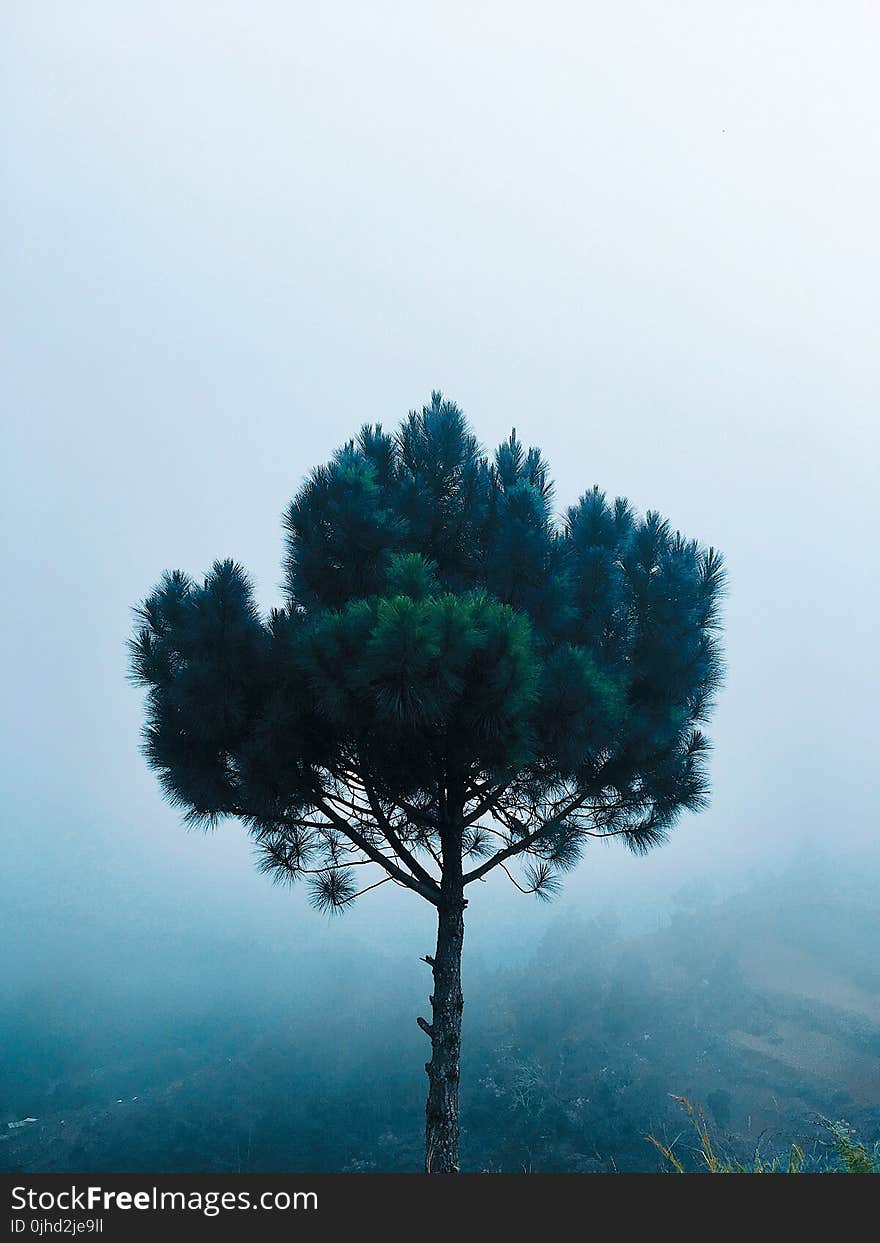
[[645, 235]]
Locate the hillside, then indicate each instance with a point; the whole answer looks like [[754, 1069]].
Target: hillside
[[764, 1010]]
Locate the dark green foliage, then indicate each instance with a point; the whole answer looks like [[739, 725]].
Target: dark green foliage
[[450, 660]]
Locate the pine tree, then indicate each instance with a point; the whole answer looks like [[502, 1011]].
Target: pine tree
[[458, 682]]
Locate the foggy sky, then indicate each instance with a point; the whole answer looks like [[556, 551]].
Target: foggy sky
[[644, 235]]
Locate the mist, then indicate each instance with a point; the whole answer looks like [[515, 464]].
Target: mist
[[644, 238]]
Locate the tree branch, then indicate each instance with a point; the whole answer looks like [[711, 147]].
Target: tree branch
[[431, 894], [367, 888], [486, 804], [510, 876], [515, 848], [530, 839], [394, 841]]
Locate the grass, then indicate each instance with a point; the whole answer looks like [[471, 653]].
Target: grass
[[850, 1155]]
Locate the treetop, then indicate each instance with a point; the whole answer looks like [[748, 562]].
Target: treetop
[[455, 671]]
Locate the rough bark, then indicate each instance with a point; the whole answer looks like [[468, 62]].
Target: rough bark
[[441, 1112]]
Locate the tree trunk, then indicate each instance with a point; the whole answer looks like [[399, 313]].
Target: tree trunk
[[441, 1113]]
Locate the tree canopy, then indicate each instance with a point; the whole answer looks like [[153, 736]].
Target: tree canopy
[[450, 658]]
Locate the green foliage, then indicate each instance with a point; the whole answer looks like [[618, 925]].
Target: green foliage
[[454, 671], [853, 1157]]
